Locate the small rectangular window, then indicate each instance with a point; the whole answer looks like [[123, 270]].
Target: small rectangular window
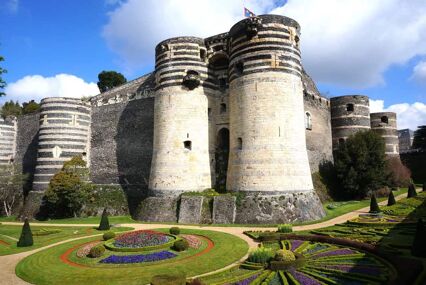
[[222, 108], [240, 143], [350, 107], [187, 145]]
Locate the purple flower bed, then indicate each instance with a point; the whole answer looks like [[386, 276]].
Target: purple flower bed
[[364, 270], [304, 279], [343, 251], [295, 244], [317, 247], [124, 259], [140, 239]]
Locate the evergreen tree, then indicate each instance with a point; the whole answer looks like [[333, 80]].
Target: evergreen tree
[[360, 164], [419, 141], [411, 191], [30, 107], [374, 207], [419, 245], [391, 199], [11, 108], [109, 80], [26, 238], [104, 224]]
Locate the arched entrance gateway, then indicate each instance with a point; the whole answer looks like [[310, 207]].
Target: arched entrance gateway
[[221, 157]]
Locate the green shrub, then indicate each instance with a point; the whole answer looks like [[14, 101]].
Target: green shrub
[[285, 228], [26, 238], [391, 199], [108, 235], [374, 207], [261, 255], [167, 279], [284, 255], [97, 251], [174, 231], [180, 245], [104, 224], [411, 191]]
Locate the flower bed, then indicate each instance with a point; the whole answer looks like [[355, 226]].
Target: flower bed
[[141, 240], [193, 241], [85, 249], [151, 257]]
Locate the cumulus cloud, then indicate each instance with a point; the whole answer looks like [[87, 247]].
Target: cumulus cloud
[[350, 43], [408, 115], [419, 72], [135, 27], [37, 87]]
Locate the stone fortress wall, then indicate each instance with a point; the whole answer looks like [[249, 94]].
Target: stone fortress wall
[[384, 124], [176, 129]]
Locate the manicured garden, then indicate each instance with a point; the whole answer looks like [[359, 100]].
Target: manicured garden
[[42, 236], [133, 258]]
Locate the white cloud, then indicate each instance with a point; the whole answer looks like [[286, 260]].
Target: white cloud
[[37, 87], [419, 72], [353, 42], [408, 115], [135, 27], [350, 43]]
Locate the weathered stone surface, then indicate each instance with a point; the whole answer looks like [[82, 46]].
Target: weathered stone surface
[[32, 205], [158, 209], [190, 209], [280, 208], [224, 209]]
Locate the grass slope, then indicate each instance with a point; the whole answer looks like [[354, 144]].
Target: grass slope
[[45, 267]]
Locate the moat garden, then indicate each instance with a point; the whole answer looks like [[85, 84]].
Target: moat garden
[[348, 246]]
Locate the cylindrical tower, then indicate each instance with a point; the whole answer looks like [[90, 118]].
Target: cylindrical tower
[[349, 115], [181, 145], [8, 131], [268, 154], [64, 133], [384, 124]]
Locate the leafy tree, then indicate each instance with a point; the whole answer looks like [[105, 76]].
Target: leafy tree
[[2, 82], [11, 183], [109, 80], [419, 141], [30, 107], [104, 224], [26, 238], [360, 164], [11, 108], [68, 189]]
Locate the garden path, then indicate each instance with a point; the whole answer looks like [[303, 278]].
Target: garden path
[[9, 262]]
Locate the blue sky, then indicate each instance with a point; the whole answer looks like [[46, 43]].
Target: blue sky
[[374, 47]]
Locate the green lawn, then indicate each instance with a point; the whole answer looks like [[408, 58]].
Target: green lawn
[[47, 235], [46, 267]]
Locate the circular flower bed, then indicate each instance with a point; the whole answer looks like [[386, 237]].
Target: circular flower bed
[[140, 240], [323, 263]]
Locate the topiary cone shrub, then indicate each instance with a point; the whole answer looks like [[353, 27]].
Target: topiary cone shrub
[[391, 199], [104, 224], [419, 245], [285, 228], [411, 191], [374, 207], [26, 238]]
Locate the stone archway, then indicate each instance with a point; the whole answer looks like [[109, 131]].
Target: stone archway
[[221, 157]]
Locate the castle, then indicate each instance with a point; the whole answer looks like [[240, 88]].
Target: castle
[[235, 112]]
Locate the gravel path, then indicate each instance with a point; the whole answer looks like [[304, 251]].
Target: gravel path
[[9, 262]]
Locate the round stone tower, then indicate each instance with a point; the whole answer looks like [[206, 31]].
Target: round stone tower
[[180, 160], [64, 133], [384, 124], [349, 115], [8, 131], [268, 160]]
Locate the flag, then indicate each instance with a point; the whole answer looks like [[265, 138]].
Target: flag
[[248, 13]]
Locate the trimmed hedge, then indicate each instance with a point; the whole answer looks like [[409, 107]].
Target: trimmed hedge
[[108, 235], [174, 231], [97, 251], [181, 245], [374, 207], [26, 238], [261, 255], [411, 191], [104, 224], [391, 199], [285, 228]]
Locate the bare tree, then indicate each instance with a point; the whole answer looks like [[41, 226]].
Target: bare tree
[[11, 183]]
